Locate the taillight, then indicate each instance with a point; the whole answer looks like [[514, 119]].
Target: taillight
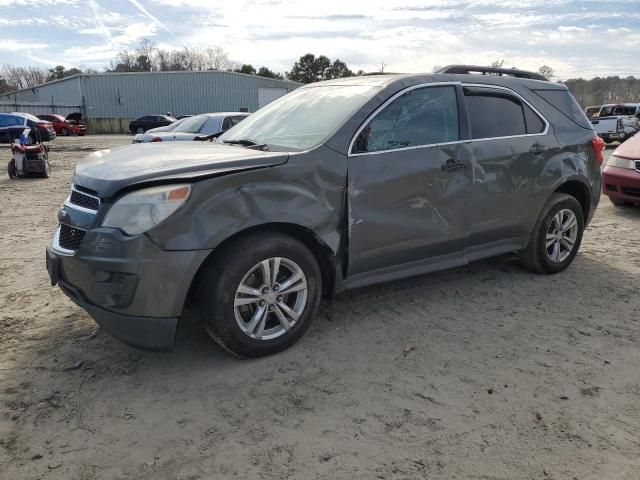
[[156, 139], [598, 146]]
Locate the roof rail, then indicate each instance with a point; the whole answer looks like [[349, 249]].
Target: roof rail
[[512, 72]]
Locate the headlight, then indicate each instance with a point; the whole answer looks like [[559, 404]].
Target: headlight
[[141, 210], [620, 162]]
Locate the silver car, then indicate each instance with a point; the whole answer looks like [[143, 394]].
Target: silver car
[[191, 127]]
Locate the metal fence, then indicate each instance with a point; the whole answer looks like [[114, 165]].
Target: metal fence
[[38, 108]]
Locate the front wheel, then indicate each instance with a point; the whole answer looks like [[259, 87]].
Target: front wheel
[[139, 130], [65, 132], [556, 237], [259, 295]]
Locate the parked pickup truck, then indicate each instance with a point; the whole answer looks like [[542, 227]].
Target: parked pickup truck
[[617, 121]]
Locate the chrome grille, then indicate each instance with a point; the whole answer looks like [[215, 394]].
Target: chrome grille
[[83, 199], [70, 238]]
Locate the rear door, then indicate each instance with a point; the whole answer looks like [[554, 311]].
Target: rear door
[[408, 194], [509, 143]]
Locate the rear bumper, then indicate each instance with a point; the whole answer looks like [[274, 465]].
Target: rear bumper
[[621, 184], [133, 289]]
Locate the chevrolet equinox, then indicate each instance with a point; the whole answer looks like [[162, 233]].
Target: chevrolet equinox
[[337, 185]]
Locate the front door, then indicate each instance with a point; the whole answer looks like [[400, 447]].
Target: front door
[[408, 193]]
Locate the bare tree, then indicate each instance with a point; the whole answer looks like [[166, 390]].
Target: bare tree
[[217, 59], [546, 71], [23, 77]]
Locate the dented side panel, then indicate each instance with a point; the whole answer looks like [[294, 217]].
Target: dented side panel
[[307, 191], [403, 207]]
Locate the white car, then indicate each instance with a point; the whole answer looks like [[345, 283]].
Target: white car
[[191, 127]]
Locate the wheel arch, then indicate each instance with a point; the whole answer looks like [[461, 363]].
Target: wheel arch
[[580, 191], [324, 255]]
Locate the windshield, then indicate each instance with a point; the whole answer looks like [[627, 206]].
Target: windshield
[[302, 119], [191, 124]]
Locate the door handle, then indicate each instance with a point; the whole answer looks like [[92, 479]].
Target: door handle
[[537, 148], [452, 165]]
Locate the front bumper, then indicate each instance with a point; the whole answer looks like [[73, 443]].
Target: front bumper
[[133, 289], [621, 184]]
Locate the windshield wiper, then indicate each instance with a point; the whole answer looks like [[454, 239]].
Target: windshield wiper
[[248, 143]]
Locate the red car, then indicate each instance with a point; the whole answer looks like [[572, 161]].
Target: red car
[[621, 176], [71, 125]]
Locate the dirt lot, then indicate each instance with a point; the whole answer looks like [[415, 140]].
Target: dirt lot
[[483, 372]]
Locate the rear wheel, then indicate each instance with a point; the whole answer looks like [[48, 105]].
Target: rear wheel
[[556, 237], [139, 130], [12, 170], [65, 132], [259, 295]]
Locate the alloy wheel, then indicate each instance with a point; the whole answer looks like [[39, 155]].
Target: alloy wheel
[[270, 298], [561, 235]]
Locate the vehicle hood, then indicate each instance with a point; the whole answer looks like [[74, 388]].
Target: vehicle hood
[[629, 149], [74, 117], [109, 171]]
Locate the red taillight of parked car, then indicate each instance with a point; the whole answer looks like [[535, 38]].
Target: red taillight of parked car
[[598, 146], [156, 139]]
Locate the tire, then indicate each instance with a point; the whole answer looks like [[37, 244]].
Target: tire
[[139, 130], [217, 291], [65, 132], [537, 256], [11, 169]]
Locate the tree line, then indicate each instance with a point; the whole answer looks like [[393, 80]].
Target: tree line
[[146, 57]]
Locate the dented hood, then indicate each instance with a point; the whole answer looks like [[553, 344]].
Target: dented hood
[[108, 171]]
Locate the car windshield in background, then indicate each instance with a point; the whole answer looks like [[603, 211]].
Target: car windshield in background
[[612, 110], [303, 119], [191, 124]]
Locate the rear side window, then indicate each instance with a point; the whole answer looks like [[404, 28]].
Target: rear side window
[[494, 114], [533, 121], [424, 116], [564, 102]]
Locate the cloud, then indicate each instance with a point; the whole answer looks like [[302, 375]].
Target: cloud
[[575, 37]]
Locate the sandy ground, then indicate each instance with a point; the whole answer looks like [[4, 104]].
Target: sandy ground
[[484, 372]]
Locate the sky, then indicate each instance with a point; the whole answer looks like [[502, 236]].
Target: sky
[[577, 38]]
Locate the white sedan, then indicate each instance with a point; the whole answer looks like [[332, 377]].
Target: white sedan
[[191, 127]]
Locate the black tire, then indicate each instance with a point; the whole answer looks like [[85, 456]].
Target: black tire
[[65, 132], [11, 169], [535, 256], [221, 275]]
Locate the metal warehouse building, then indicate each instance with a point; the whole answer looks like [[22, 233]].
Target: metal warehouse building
[[110, 101]]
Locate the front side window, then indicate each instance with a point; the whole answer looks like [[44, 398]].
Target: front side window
[[493, 113], [423, 116]]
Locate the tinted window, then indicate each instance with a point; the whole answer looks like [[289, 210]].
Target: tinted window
[[534, 123], [564, 102], [494, 115], [423, 116]]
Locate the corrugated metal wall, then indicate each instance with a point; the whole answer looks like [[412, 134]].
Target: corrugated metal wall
[[109, 101], [65, 91], [131, 95], [37, 108]]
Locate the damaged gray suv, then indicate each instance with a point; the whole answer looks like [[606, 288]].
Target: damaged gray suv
[[337, 185]]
